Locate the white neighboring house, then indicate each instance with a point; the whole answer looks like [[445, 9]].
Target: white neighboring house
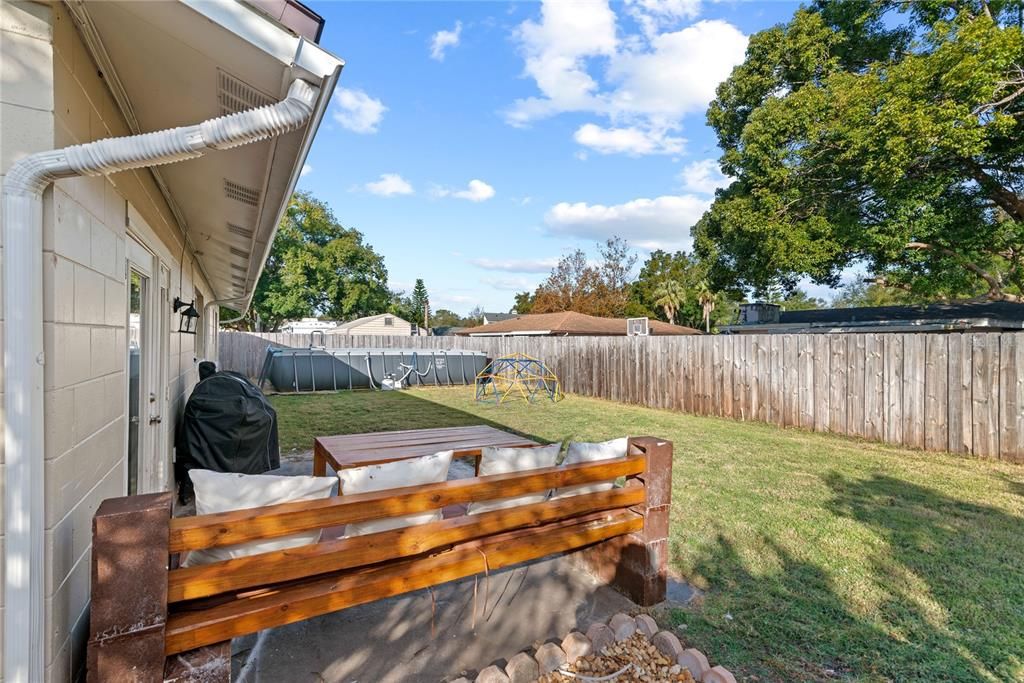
[[307, 325], [383, 325], [100, 237]]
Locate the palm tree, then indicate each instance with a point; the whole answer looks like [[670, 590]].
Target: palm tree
[[670, 295], [706, 298]]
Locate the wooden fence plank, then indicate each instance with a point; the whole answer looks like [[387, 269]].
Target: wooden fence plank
[[985, 394], [958, 400], [893, 352], [913, 390], [1011, 397], [822, 382], [874, 387], [936, 392], [837, 384], [805, 375], [855, 350]]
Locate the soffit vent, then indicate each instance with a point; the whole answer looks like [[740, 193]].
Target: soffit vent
[[240, 231], [241, 193], [238, 279], [241, 253], [240, 268], [235, 95]]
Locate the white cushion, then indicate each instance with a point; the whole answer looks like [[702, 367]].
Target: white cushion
[[225, 491], [430, 469], [580, 452], [505, 460]]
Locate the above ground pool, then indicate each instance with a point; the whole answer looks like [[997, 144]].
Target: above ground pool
[[323, 369]]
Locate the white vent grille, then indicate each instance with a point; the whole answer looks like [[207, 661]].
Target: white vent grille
[[241, 253], [240, 231], [235, 95], [241, 193], [240, 268]]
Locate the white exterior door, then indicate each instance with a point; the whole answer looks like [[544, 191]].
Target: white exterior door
[[148, 449]]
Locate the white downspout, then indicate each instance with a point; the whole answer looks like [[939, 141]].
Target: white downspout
[[25, 571]]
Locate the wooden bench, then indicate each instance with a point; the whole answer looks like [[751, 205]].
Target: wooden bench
[[152, 621]]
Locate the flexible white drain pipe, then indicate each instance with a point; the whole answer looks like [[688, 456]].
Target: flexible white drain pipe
[[25, 571]]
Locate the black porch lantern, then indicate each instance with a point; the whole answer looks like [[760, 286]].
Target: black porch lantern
[[189, 316]]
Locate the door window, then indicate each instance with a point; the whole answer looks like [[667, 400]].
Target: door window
[[138, 285]]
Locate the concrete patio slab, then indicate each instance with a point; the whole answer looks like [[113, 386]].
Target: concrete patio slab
[[432, 638]]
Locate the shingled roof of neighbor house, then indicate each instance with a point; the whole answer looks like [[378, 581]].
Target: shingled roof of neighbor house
[[978, 316], [568, 323]]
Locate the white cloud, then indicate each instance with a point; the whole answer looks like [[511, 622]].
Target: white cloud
[[648, 82], [678, 74], [703, 177], [659, 223], [516, 265], [476, 191], [357, 111], [306, 170], [442, 40], [655, 15], [389, 185], [555, 51], [631, 140]]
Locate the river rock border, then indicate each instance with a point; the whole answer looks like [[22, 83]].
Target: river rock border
[[526, 667]]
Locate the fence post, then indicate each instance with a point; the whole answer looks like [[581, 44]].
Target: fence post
[[637, 564]]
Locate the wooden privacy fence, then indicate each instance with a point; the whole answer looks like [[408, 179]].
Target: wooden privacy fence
[[962, 393]]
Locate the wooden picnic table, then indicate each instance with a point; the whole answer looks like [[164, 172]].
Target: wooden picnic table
[[356, 450]]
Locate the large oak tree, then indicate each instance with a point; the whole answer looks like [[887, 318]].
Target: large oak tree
[[318, 267], [884, 133]]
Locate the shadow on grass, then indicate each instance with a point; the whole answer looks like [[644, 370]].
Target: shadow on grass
[[953, 574], [303, 417], [941, 598]]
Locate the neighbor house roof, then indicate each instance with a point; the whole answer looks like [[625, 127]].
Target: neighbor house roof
[[938, 317], [170, 64], [568, 323], [359, 322], [498, 317]]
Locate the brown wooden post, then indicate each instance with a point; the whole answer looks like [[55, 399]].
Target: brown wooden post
[[636, 565], [129, 588]]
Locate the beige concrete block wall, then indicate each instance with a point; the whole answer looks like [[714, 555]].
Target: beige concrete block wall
[[26, 126], [52, 96]]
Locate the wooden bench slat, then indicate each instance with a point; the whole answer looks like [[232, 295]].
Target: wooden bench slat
[[239, 526], [285, 605], [319, 558]]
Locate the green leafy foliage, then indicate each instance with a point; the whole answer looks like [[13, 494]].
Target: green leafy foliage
[[317, 267], [662, 267], [896, 141]]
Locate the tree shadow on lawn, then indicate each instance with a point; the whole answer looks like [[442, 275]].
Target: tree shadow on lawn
[[954, 574], [944, 596]]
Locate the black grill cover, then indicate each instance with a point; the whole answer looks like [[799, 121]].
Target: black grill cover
[[228, 426]]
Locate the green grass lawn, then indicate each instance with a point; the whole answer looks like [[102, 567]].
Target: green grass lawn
[[822, 557]]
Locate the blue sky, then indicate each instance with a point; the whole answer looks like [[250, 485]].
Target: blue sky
[[473, 143]]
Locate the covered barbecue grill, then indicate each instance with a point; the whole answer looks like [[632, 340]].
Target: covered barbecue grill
[[228, 426]]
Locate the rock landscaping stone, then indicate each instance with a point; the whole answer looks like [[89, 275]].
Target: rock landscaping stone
[[549, 656], [462, 679], [492, 674], [695, 661], [522, 669], [719, 674], [600, 637], [623, 626], [646, 625], [667, 644], [576, 645], [646, 665]]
